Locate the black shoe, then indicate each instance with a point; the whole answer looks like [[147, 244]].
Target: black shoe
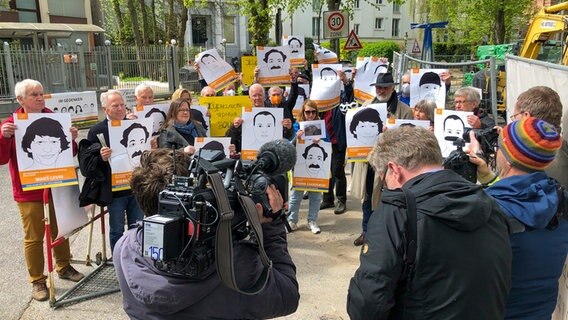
[[360, 240], [326, 205], [340, 208], [305, 196]]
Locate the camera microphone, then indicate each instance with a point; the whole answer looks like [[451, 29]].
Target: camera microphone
[[276, 157]]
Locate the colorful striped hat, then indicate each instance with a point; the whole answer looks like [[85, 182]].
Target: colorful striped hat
[[529, 144]]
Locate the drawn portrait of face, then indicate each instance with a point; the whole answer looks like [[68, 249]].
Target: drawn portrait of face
[[327, 74], [210, 62], [314, 155], [295, 45], [429, 86], [453, 128], [274, 60], [134, 139], [44, 141], [264, 125], [366, 126], [159, 118]]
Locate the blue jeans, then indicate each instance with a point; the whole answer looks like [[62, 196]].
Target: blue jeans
[[296, 201], [366, 206], [116, 216]]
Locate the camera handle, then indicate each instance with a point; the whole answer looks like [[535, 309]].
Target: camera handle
[[224, 238]]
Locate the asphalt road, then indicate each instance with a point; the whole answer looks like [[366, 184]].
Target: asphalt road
[[325, 263]]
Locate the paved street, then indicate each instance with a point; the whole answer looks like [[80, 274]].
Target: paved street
[[325, 263]]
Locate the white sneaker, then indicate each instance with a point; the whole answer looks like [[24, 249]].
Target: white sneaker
[[293, 226], [314, 227]]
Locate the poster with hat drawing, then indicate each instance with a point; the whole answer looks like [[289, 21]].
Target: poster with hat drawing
[[427, 84], [362, 127], [449, 125], [297, 49], [274, 65], [368, 68], [215, 70], [326, 87]]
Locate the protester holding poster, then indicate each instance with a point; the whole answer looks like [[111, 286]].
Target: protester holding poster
[[326, 87], [274, 65], [123, 201], [29, 94], [215, 70], [180, 130]]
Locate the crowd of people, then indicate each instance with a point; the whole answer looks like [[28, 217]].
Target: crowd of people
[[433, 245]]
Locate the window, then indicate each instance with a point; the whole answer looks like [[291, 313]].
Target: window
[[229, 29], [395, 8], [316, 26], [379, 1], [395, 30], [356, 6], [356, 28], [378, 23]]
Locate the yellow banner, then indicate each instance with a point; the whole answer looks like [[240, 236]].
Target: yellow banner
[[48, 178], [248, 63], [223, 111]]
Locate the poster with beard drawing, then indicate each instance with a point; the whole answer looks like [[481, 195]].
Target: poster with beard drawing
[[156, 112], [44, 150], [326, 89], [215, 70], [274, 65], [260, 125], [363, 126], [297, 49], [368, 68], [312, 169], [427, 84], [128, 140], [449, 125]]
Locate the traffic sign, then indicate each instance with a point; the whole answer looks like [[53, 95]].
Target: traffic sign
[[335, 24], [416, 47], [352, 42]]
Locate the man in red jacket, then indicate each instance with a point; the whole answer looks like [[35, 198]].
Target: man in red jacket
[[29, 94]]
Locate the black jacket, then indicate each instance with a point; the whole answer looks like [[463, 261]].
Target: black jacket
[[463, 262], [97, 187]]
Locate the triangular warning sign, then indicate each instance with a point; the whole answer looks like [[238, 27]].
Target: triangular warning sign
[[352, 42], [416, 47]]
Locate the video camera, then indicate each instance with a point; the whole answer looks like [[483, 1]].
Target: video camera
[[458, 160], [181, 238]]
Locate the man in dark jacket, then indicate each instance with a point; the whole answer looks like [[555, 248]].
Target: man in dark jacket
[[149, 293], [462, 268]]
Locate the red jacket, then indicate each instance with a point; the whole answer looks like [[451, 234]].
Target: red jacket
[[8, 154]]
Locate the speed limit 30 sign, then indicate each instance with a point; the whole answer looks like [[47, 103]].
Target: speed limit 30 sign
[[335, 24]]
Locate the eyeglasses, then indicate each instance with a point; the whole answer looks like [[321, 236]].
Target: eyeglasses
[[310, 111], [183, 110], [513, 117]]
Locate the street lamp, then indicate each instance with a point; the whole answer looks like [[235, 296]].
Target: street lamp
[[173, 42], [78, 42], [107, 43], [224, 44]]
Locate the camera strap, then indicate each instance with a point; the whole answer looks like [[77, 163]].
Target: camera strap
[[224, 238]]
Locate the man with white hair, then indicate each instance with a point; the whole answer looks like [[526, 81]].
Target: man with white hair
[[144, 94], [29, 94]]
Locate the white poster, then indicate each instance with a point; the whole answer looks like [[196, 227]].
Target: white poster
[[68, 213], [128, 140], [313, 129], [363, 126], [274, 65], [395, 123], [82, 106], [368, 68], [449, 125], [260, 125], [324, 55], [297, 49], [215, 70], [427, 84], [157, 112], [326, 88], [44, 150], [221, 144], [312, 170]]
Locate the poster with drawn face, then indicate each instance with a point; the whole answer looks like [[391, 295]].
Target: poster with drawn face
[[128, 140], [312, 169], [220, 144], [363, 126], [313, 129], [297, 49], [427, 84], [199, 113], [324, 55], [326, 87], [156, 112], [274, 65], [368, 68], [215, 70], [395, 123], [449, 125], [82, 106], [260, 125], [44, 150]]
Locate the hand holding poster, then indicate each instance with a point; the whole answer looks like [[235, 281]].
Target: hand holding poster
[[368, 68], [449, 125], [223, 110], [274, 63], [44, 150], [326, 87], [260, 125], [312, 169], [427, 84], [215, 70], [156, 112], [313, 129], [324, 55], [297, 49], [82, 106], [363, 126]]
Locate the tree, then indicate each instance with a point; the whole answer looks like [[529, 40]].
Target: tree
[[144, 22]]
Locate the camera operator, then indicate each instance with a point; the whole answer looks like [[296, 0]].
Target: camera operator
[[532, 202], [152, 294]]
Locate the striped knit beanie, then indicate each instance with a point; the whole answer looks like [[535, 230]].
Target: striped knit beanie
[[529, 144]]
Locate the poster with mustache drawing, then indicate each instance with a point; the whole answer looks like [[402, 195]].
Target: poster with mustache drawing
[[274, 65], [312, 169], [157, 112], [128, 140], [368, 68], [215, 70], [297, 49], [427, 84], [326, 87]]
